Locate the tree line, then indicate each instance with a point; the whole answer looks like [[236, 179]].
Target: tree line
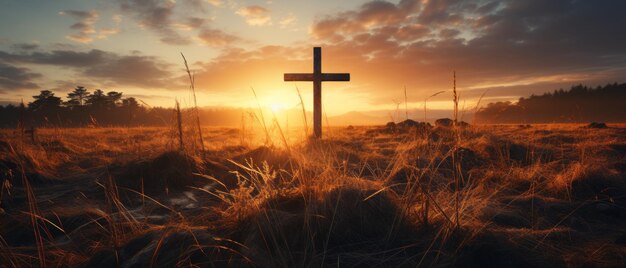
[[82, 108], [579, 104]]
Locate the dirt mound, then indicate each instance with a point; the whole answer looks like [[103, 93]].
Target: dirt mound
[[444, 122], [57, 146], [12, 170], [599, 185], [356, 227], [170, 248], [342, 227], [499, 250], [413, 124], [558, 139], [405, 125], [508, 151], [596, 125], [274, 157], [5, 146], [620, 148], [171, 170], [447, 122]]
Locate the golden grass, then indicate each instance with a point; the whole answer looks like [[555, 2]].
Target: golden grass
[[537, 196]]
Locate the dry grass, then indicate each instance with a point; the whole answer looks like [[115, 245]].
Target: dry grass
[[549, 195]]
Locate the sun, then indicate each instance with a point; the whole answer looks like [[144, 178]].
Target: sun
[[276, 107]]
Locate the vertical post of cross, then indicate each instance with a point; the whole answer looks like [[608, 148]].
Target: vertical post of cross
[[317, 92]]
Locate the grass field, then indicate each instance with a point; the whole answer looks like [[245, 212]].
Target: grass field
[[479, 196]]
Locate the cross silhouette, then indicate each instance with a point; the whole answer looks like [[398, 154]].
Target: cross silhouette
[[317, 77]]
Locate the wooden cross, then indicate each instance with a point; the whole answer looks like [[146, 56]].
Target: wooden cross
[[317, 77]]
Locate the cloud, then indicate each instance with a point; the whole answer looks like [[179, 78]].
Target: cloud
[[162, 18], [216, 3], [102, 66], [511, 47], [117, 18], [255, 15], [85, 27], [26, 46], [191, 23], [483, 41], [266, 64], [287, 21], [371, 15], [106, 32], [68, 58], [217, 38], [15, 78], [142, 71], [157, 16]]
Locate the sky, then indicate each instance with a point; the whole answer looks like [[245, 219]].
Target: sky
[[501, 50]]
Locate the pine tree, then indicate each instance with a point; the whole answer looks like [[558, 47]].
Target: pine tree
[[77, 98], [45, 101]]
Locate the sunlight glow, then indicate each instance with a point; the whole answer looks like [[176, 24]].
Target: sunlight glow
[[277, 107]]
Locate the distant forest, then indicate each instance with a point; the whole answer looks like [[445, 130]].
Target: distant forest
[[579, 104], [83, 108]]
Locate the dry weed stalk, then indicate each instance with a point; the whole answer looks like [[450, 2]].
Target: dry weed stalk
[[262, 119], [306, 124], [179, 125], [406, 107], [426, 100], [456, 165], [195, 102]]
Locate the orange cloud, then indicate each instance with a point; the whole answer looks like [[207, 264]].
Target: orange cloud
[[255, 15], [87, 31], [217, 38]]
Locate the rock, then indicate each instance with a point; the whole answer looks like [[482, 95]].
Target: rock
[[447, 122], [444, 122], [463, 124], [406, 124], [596, 125]]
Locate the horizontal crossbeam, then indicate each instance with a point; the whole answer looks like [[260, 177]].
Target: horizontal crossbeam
[[311, 77]]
